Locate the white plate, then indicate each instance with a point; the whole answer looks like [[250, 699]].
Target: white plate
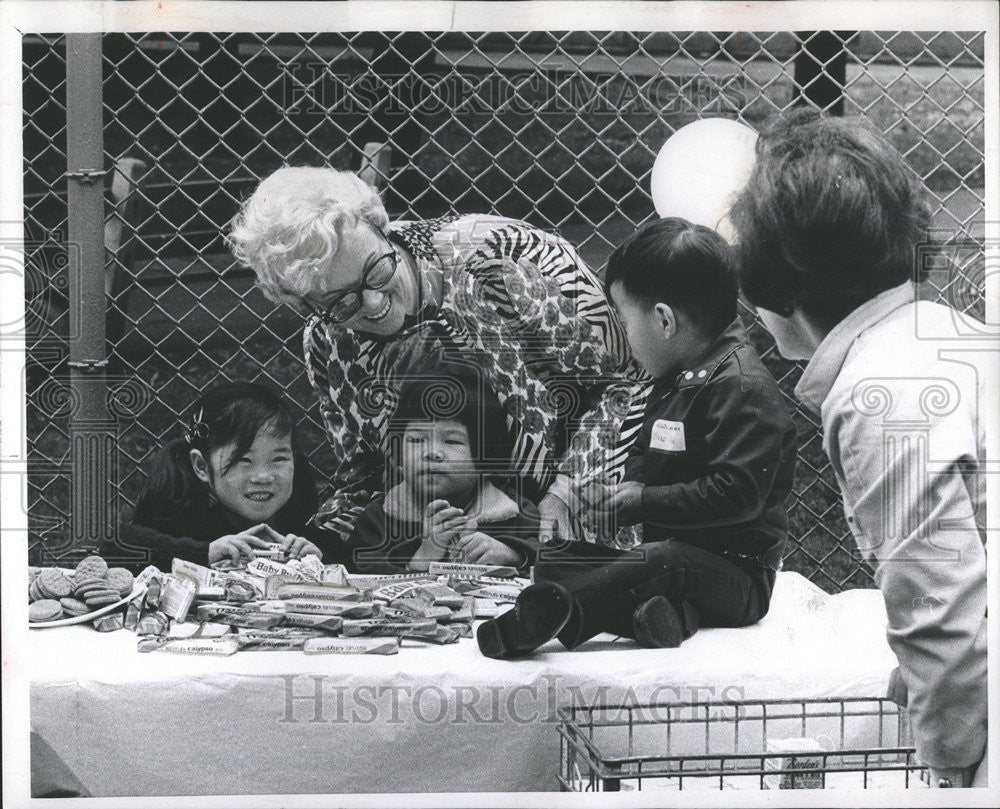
[[137, 590]]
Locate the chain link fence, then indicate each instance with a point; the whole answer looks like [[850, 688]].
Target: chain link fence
[[560, 129]]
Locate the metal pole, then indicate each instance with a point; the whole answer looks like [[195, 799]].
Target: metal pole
[[92, 431]]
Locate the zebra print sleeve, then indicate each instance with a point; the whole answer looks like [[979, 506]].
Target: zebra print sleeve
[[334, 369]]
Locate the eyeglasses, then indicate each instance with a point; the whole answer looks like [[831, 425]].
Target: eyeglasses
[[348, 303]]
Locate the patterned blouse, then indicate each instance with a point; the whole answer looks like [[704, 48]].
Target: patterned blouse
[[521, 305]]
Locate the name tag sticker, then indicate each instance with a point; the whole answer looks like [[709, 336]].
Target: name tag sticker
[[667, 436]]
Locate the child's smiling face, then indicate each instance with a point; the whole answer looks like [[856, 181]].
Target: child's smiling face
[[257, 483], [437, 461]]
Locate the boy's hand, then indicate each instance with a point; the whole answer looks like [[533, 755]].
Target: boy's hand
[[478, 548], [235, 547], [627, 502], [622, 502]]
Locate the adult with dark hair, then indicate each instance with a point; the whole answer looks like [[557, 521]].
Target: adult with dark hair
[[707, 477], [236, 468], [829, 227], [382, 297], [448, 494]]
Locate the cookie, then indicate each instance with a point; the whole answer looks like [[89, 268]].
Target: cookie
[[44, 610], [33, 592], [92, 566], [53, 584], [90, 585], [101, 598], [121, 580], [73, 607]]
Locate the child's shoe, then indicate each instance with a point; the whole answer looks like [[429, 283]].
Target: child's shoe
[[540, 611], [658, 624]]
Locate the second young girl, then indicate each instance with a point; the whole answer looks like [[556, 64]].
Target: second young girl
[[210, 494]]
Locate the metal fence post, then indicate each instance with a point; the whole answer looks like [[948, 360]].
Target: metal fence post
[[92, 434]]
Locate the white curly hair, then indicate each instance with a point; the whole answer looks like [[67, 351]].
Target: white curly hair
[[291, 226]]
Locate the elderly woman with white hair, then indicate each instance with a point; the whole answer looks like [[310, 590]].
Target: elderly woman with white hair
[[382, 297]]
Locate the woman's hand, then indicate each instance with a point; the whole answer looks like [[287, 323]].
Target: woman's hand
[[554, 519], [478, 548], [238, 548], [295, 547]]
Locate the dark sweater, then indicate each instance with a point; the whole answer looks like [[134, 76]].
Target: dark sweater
[[390, 529]]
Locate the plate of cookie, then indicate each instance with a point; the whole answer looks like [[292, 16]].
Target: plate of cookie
[[63, 597]]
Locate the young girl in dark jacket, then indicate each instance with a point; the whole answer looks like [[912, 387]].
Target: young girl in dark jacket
[[210, 494]]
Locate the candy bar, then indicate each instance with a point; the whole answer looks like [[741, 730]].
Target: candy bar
[[334, 574], [268, 567], [152, 623], [318, 591], [369, 646], [326, 623], [202, 646], [201, 575], [236, 616], [310, 566], [464, 613], [210, 629], [485, 608], [132, 613], [152, 601], [212, 593], [462, 629], [109, 623], [503, 594], [237, 590], [464, 571], [366, 582], [389, 627], [177, 595], [417, 609], [272, 645], [439, 595], [443, 635], [352, 609], [183, 629], [240, 590], [150, 643]]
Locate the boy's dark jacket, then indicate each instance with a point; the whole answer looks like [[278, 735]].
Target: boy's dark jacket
[[390, 529], [188, 536], [717, 454]]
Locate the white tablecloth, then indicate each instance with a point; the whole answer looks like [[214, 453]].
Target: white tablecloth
[[432, 718]]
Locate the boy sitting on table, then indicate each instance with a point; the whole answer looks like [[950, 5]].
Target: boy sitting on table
[[707, 477]]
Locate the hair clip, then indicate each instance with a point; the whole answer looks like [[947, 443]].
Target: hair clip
[[198, 431]]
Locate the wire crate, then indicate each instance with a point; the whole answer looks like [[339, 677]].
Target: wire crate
[[827, 743]]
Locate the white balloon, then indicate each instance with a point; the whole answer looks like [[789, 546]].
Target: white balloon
[[700, 169]]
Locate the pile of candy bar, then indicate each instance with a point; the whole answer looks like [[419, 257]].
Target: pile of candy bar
[[302, 605], [54, 594]]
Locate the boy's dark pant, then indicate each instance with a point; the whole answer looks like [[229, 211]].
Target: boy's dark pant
[[608, 585]]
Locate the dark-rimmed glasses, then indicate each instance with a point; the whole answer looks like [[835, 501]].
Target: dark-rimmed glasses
[[348, 303]]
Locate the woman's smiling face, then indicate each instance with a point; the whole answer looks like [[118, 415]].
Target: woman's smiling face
[[364, 259]]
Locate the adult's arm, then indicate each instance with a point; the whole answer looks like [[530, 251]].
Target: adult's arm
[[912, 498], [537, 314], [337, 368]]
